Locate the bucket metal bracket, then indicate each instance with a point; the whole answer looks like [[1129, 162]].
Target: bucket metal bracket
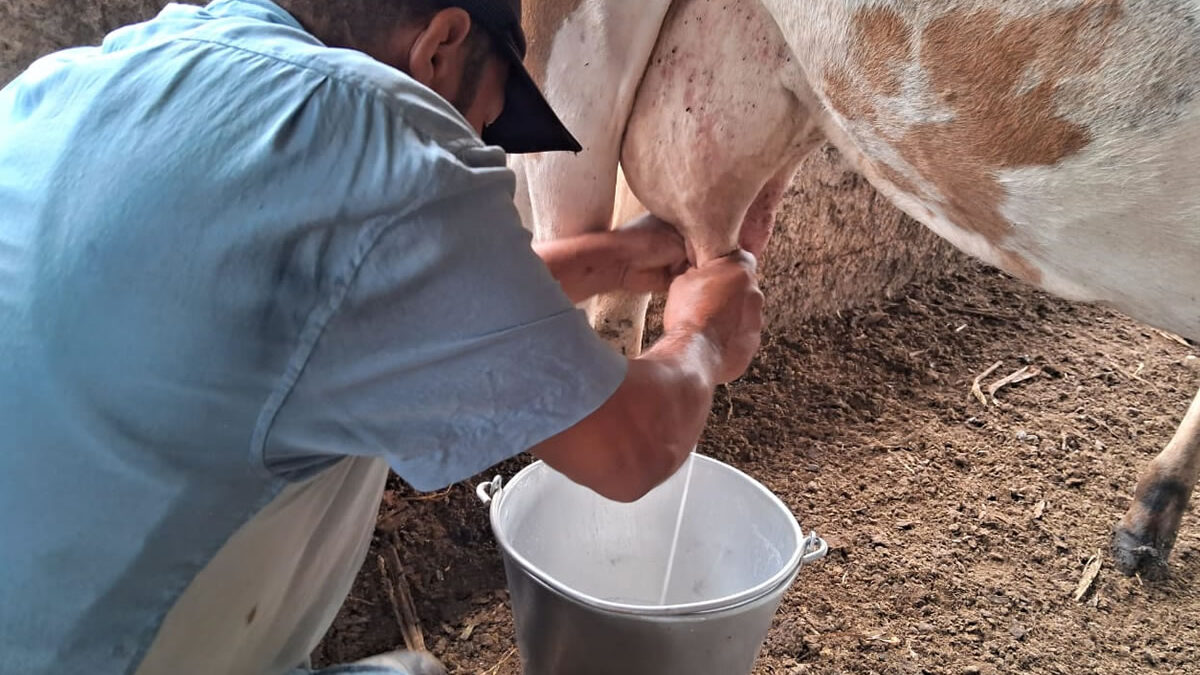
[[489, 490], [814, 548]]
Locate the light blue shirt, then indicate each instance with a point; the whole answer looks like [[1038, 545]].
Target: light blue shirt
[[231, 257]]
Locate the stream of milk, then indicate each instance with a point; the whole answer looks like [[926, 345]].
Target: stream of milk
[[687, 484]]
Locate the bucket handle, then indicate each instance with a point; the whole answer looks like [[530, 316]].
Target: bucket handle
[[489, 490], [814, 547]]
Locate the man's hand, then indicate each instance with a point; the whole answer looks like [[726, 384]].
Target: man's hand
[[643, 433], [720, 301], [642, 256], [653, 254]]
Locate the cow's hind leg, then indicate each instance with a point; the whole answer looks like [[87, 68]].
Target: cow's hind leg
[[1143, 539], [620, 317]]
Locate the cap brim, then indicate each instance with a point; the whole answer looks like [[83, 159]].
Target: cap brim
[[528, 123]]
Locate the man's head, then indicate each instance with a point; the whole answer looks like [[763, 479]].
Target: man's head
[[468, 51]]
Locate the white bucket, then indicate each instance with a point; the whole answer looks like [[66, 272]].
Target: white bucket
[[586, 574]]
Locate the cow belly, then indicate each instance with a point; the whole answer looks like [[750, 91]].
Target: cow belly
[[1052, 141], [1127, 244]]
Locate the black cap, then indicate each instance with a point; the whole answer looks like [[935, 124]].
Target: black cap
[[528, 123]]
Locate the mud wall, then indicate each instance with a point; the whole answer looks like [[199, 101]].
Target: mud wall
[[839, 244], [32, 28]]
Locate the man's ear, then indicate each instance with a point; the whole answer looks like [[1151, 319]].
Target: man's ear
[[437, 55]]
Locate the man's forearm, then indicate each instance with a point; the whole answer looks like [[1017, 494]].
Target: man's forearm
[[585, 265], [641, 435]]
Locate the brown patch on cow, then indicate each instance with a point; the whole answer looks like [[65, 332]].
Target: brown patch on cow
[[851, 101], [1016, 265], [1008, 260], [882, 42], [542, 19], [999, 78], [895, 177]]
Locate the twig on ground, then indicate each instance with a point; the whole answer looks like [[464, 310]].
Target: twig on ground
[[1090, 572], [1133, 376], [395, 584], [1025, 373], [1174, 338], [1002, 316], [496, 668], [437, 496], [976, 390], [1101, 423], [385, 578]]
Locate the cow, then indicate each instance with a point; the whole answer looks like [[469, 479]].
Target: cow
[[1053, 139]]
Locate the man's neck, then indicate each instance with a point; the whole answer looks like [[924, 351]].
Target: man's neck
[[334, 29]]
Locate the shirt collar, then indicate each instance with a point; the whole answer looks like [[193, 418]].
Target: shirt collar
[[264, 10]]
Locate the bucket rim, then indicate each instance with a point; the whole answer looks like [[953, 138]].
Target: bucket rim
[[784, 578]]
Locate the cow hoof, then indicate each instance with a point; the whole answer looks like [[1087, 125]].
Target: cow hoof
[[1138, 555]]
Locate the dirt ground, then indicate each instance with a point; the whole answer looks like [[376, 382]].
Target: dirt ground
[[959, 531]]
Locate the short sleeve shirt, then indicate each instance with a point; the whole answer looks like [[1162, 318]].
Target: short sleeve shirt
[[231, 260]]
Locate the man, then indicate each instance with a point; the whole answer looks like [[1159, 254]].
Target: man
[[252, 255]]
